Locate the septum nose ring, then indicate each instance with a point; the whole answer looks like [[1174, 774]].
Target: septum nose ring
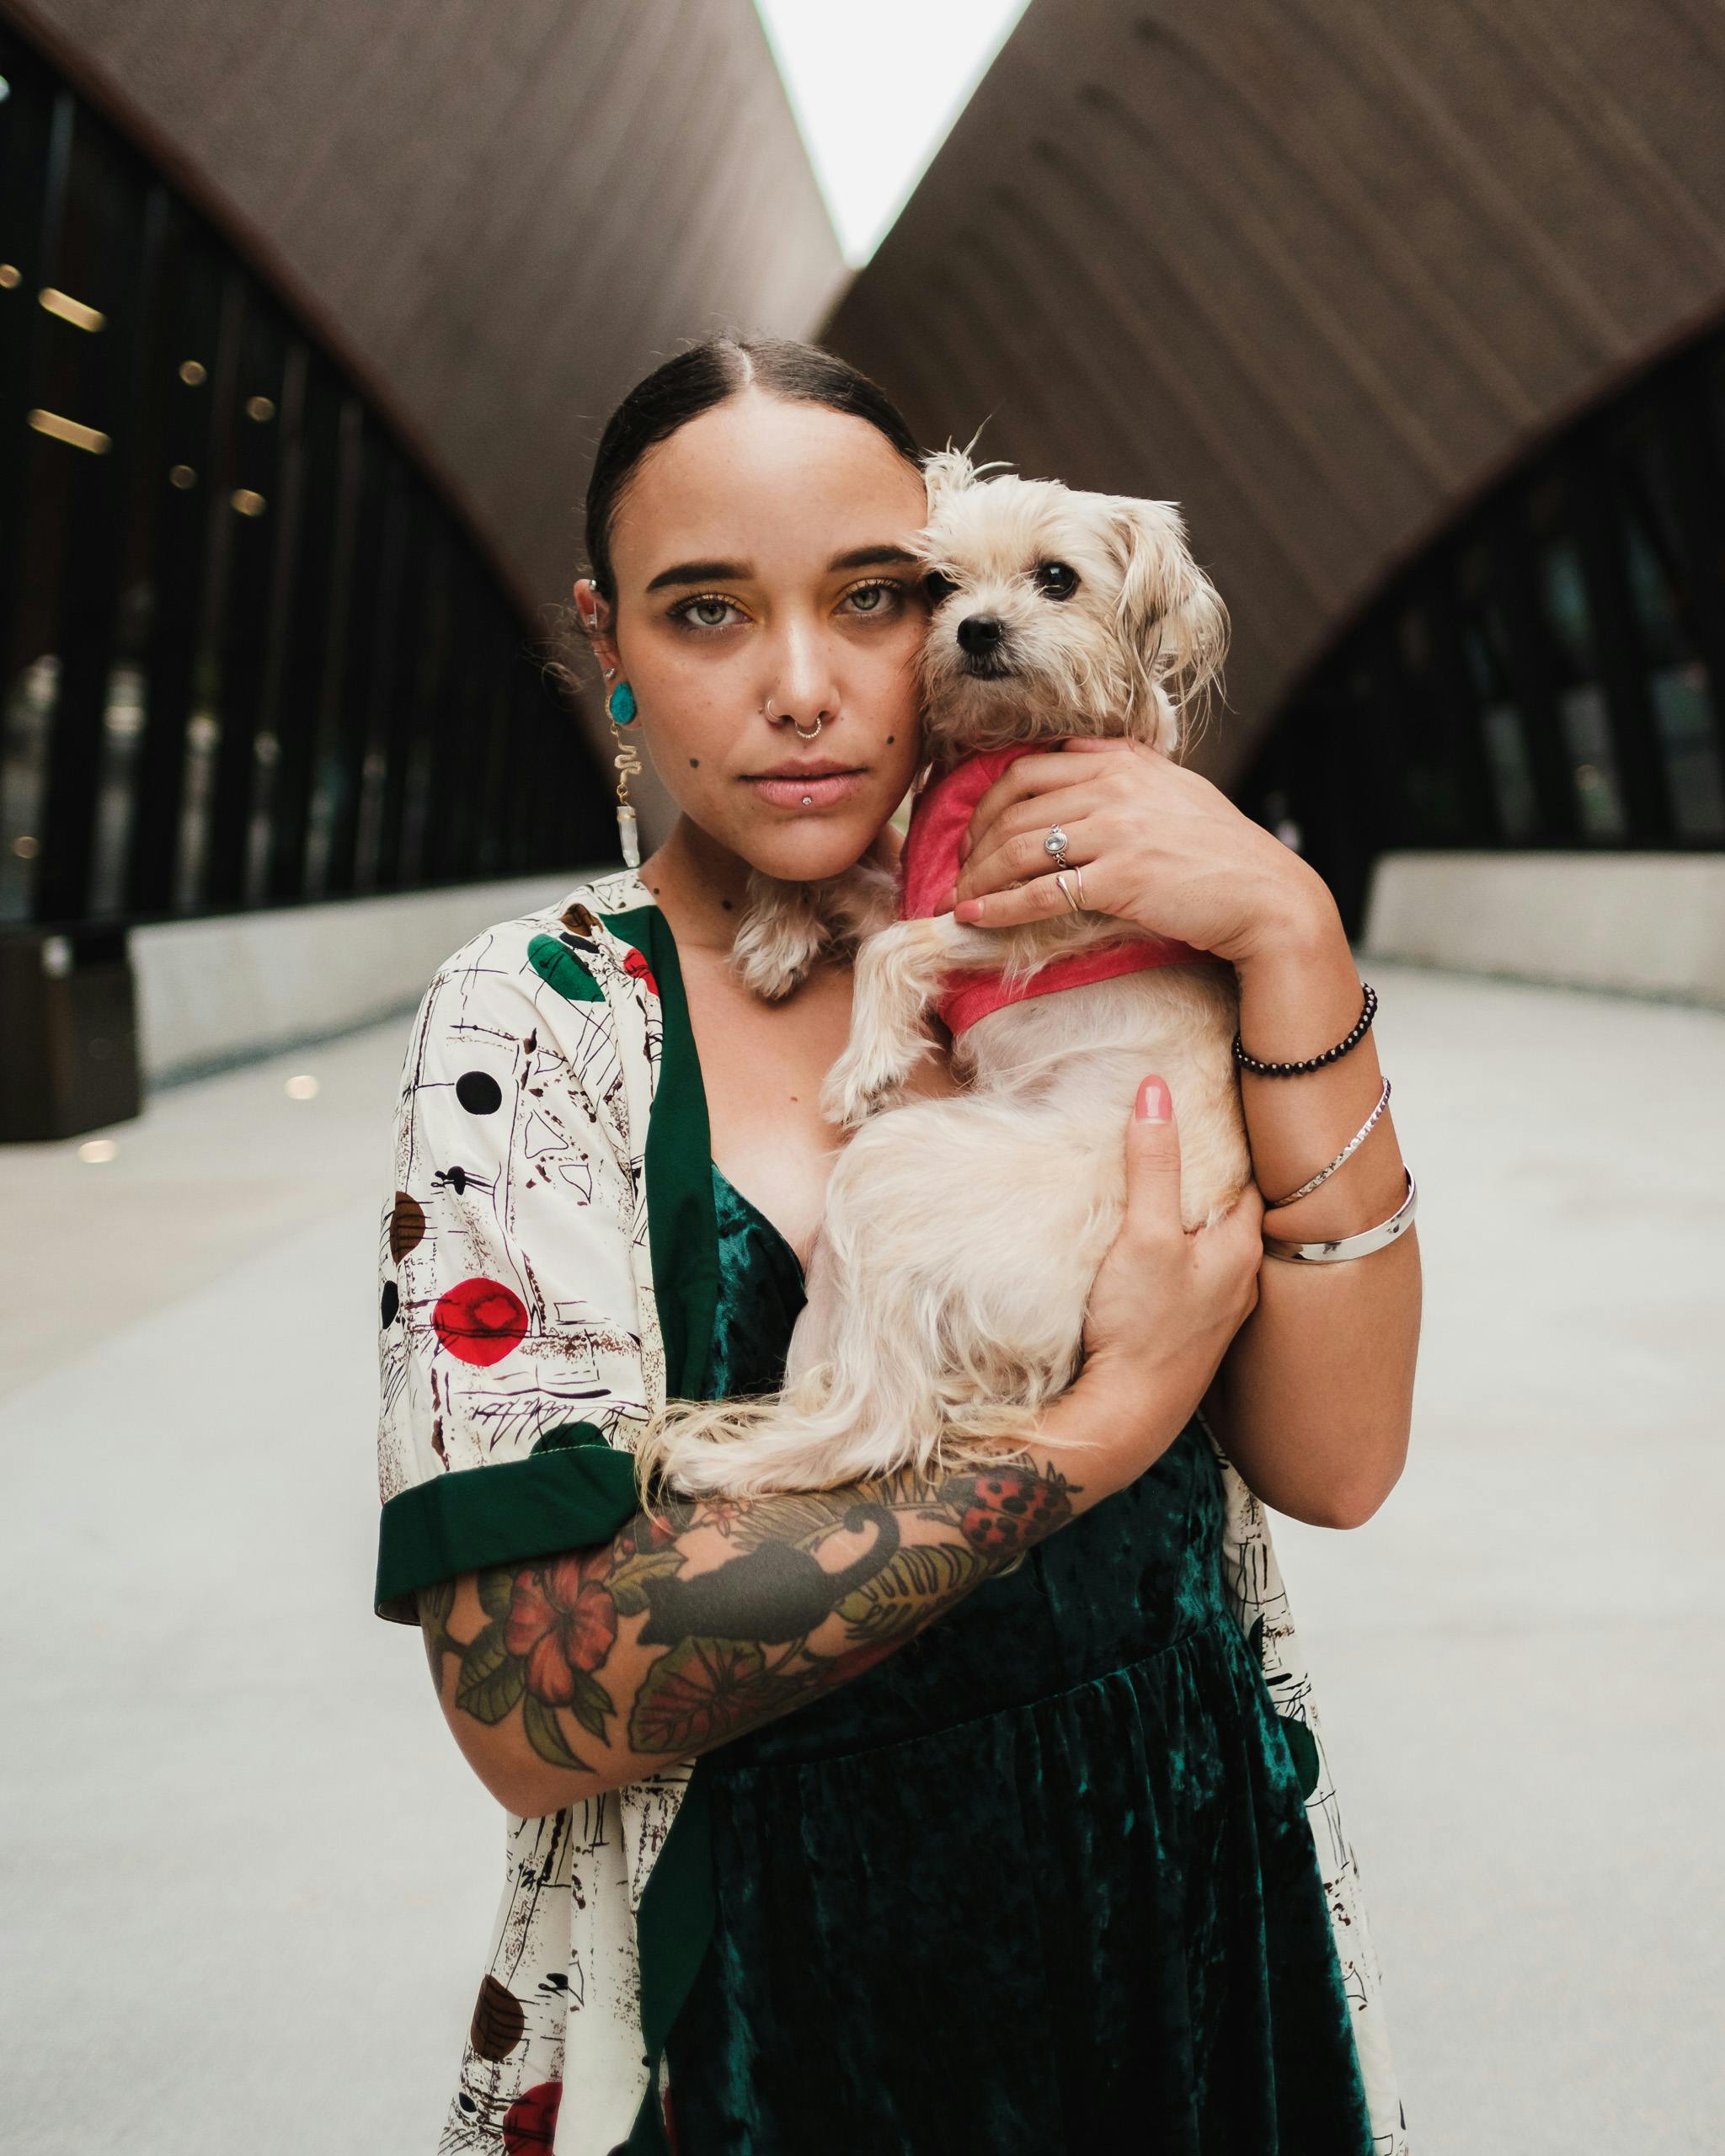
[[775, 717]]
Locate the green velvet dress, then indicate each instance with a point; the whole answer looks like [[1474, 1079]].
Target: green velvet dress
[[1040, 1882]]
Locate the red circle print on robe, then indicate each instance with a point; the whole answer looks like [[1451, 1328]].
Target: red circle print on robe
[[636, 966], [530, 2123], [480, 1320]]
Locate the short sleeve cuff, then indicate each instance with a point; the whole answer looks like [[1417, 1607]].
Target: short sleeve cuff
[[573, 1491]]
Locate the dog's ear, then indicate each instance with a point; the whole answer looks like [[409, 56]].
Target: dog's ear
[[1170, 616], [945, 472]]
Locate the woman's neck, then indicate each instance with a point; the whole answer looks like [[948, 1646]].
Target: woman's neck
[[701, 887]]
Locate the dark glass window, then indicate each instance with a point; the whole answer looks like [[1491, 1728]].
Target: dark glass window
[[1502, 722], [1578, 683], [1669, 592], [1549, 673], [248, 656]]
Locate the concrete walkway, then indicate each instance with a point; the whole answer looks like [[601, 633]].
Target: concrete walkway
[[247, 1882]]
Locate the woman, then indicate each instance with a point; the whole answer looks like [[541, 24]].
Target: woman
[[795, 1866]]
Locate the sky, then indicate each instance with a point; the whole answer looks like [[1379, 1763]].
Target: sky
[[876, 91]]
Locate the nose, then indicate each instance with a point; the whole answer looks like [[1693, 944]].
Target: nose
[[804, 686], [980, 633]]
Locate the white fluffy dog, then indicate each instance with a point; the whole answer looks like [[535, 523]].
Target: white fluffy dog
[[947, 1288]]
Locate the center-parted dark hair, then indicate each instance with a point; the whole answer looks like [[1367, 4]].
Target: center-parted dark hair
[[693, 382]]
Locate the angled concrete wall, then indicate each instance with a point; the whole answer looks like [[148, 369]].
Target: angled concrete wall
[[1317, 269]]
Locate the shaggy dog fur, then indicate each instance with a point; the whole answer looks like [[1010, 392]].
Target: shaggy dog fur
[[947, 1288]]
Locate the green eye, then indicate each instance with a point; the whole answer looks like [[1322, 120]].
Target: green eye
[[885, 595]]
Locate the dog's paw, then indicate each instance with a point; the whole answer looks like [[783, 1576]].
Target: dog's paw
[[772, 973], [855, 1089]]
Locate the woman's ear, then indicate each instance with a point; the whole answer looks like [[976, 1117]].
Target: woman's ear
[[1170, 616], [593, 614]]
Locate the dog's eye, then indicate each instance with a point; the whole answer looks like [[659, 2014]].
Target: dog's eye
[[1056, 579], [936, 585]]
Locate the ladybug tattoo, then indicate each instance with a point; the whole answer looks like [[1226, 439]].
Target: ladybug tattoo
[[1006, 1510]]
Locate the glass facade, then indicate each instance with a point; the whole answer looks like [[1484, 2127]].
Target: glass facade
[[247, 655], [1550, 673]]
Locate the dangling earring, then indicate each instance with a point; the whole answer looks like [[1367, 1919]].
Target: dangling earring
[[622, 709]]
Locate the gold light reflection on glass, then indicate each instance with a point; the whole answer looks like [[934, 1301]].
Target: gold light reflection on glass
[[25, 847], [70, 310], [193, 372], [11, 276], [68, 430], [259, 407], [248, 503], [98, 1149], [182, 476]]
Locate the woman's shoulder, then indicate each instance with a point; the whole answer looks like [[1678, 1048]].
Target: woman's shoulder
[[566, 945]]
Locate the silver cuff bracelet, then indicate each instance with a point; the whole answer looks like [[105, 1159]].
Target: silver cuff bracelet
[[1360, 1245]]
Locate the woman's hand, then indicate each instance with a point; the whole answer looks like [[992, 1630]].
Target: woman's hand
[[1165, 1303], [1160, 847]]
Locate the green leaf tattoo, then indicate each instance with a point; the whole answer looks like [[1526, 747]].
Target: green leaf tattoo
[[496, 1592], [591, 1703], [492, 1680], [627, 1578], [540, 1725], [896, 1600]]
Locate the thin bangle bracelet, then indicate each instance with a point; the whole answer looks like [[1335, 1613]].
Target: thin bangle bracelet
[[1323, 1175], [1360, 1245]]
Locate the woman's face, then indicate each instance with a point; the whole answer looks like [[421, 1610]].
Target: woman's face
[[759, 554]]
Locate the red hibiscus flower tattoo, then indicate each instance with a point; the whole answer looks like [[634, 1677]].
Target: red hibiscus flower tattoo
[[562, 1621]]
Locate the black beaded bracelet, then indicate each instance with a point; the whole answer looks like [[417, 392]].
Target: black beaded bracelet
[[1313, 1062]]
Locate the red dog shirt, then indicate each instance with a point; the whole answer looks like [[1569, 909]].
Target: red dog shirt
[[929, 867]]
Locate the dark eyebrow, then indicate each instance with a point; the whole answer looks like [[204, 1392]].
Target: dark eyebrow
[[859, 557]]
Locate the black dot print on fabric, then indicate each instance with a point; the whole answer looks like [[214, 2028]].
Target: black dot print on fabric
[[457, 1180], [391, 1302], [478, 1092]]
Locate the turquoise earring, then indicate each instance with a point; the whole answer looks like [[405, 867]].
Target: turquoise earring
[[621, 707]]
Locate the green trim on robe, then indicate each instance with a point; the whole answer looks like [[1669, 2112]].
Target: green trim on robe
[[682, 1226], [678, 1908], [574, 1491]]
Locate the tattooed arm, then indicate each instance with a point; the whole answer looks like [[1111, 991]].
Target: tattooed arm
[[704, 1617]]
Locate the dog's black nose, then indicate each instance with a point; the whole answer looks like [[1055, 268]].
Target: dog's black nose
[[979, 633]]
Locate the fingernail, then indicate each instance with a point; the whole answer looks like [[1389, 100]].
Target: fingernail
[[1154, 1105], [971, 909]]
